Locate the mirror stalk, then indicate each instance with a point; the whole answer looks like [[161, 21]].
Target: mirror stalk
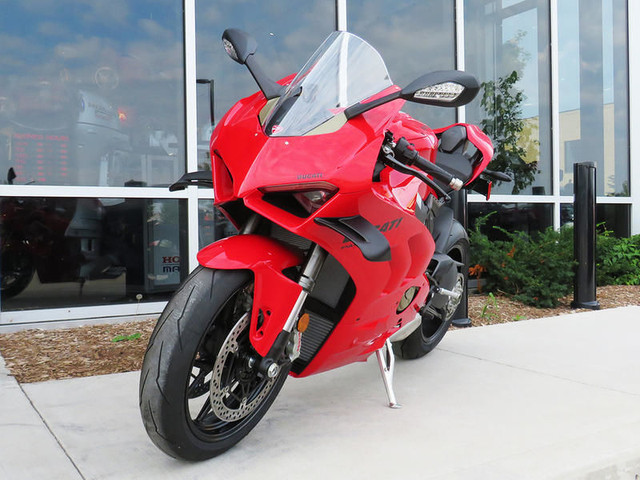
[[269, 88], [358, 108]]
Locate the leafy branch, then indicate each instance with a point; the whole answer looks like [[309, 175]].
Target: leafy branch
[[502, 103]]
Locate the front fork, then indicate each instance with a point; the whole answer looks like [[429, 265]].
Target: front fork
[[269, 364]]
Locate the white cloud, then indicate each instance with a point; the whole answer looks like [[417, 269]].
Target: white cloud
[[155, 31]]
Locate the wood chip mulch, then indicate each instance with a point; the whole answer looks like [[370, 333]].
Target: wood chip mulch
[[484, 310], [40, 355]]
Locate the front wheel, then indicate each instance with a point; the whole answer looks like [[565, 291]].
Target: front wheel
[[435, 324], [200, 389]]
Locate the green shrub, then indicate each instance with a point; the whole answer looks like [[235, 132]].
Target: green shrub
[[536, 270], [539, 270], [617, 259]]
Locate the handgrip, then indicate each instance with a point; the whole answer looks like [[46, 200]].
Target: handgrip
[[412, 157]]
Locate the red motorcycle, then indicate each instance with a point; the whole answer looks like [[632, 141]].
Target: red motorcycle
[[346, 245]]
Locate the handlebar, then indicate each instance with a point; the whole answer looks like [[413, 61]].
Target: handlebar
[[409, 156]]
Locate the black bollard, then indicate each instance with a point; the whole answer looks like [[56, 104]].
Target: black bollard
[[584, 236], [459, 206]]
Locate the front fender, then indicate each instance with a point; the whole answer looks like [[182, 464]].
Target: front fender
[[273, 293]]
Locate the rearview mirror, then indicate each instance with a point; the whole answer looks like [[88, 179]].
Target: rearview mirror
[[238, 44], [241, 46], [450, 88]]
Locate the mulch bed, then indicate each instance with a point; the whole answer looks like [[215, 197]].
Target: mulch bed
[[40, 355]]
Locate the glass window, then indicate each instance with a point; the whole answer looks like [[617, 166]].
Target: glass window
[[593, 75], [513, 217], [613, 217], [91, 93], [213, 224], [507, 48], [414, 37], [63, 252], [287, 34]]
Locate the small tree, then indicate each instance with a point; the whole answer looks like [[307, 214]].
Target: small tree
[[502, 103]]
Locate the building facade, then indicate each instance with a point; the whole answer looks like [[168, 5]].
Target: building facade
[[100, 111]]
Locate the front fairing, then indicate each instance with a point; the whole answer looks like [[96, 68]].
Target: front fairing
[[345, 158], [304, 135]]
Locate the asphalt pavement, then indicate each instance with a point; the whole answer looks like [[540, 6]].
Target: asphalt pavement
[[554, 398]]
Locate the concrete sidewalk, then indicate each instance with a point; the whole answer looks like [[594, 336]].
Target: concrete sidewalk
[[554, 398]]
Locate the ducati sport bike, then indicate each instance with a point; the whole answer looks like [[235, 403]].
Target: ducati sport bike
[[346, 245]]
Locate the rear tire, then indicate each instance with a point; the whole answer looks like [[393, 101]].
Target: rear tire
[[434, 326], [198, 355]]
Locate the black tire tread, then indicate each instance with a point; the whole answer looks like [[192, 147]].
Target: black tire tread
[[167, 364]]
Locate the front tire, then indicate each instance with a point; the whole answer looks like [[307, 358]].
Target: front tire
[[200, 391]]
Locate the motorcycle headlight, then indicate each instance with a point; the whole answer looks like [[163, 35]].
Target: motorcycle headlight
[[309, 196]]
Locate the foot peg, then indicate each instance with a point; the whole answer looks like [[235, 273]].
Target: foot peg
[[386, 361]]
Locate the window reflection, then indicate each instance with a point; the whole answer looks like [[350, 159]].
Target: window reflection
[[513, 217], [593, 96], [91, 93], [287, 34], [612, 217], [507, 47], [213, 224], [422, 41], [59, 252]]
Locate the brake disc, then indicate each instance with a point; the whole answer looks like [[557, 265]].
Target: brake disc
[[236, 388]]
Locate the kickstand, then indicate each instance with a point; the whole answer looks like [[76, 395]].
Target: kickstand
[[386, 361]]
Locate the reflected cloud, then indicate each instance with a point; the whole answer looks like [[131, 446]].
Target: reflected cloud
[[287, 34], [52, 29], [83, 49], [102, 77], [155, 31]]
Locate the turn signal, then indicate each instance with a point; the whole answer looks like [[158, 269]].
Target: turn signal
[[303, 323]]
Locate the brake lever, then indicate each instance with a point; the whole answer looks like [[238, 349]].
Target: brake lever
[[500, 176], [391, 161]]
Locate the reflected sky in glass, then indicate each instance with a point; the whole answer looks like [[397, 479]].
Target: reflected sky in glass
[[414, 38], [99, 84], [287, 34]]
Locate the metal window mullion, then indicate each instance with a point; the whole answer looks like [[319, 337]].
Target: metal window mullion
[[55, 315], [74, 191], [633, 18], [612, 200], [191, 127], [499, 198], [193, 227], [191, 114], [341, 15], [555, 112], [560, 199], [459, 34]]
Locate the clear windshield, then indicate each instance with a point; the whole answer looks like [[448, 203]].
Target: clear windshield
[[342, 72]]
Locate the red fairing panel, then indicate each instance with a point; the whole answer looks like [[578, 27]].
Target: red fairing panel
[[274, 294], [482, 143], [371, 317]]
